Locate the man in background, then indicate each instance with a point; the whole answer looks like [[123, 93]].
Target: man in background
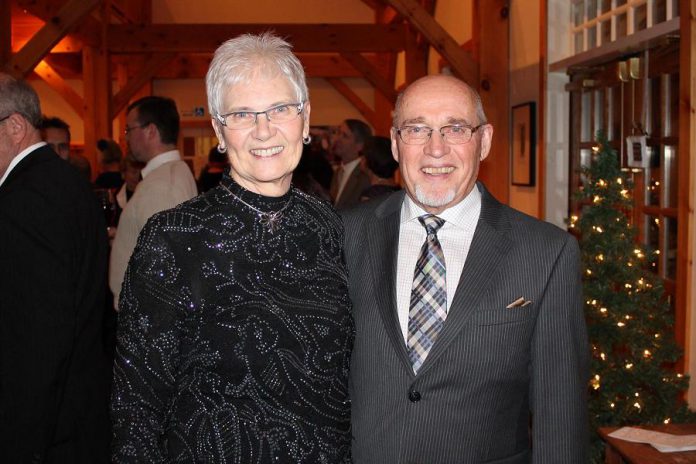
[[152, 132], [56, 133], [54, 373], [349, 180]]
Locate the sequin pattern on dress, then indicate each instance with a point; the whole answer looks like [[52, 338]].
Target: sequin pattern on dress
[[234, 343]]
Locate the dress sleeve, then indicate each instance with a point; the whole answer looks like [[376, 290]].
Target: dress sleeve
[[560, 366], [147, 351]]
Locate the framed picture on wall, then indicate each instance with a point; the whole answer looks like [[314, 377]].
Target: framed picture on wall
[[637, 155], [523, 152]]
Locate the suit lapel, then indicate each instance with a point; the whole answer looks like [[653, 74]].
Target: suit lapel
[[489, 246], [383, 242]]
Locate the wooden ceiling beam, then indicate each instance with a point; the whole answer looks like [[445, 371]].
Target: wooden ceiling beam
[[145, 75], [372, 75], [195, 65], [57, 83], [24, 61], [342, 88], [462, 64], [197, 38], [87, 31]]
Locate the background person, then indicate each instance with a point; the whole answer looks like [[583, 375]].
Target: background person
[[56, 133], [152, 131], [235, 325], [380, 166], [54, 373], [471, 343], [110, 155], [212, 172], [349, 180]]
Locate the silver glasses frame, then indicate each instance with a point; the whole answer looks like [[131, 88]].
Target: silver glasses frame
[[222, 118], [440, 130]]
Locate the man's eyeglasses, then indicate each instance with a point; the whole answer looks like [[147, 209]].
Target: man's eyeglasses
[[127, 129], [454, 134], [247, 119], [6, 117]]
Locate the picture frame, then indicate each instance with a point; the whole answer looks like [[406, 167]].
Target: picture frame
[[637, 155], [523, 145]]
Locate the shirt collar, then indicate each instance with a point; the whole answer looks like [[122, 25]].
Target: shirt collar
[[22, 154], [349, 166], [459, 215], [159, 160]]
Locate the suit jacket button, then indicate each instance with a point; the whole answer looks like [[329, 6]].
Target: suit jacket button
[[414, 396]]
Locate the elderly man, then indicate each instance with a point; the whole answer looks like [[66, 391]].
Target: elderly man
[[349, 180], [54, 373], [471, 344], [152, 131]]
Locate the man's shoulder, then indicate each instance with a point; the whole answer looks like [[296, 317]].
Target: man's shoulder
[[43, 171], [373, 209]]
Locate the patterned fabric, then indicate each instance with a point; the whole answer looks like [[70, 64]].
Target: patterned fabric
[[234, 344], [429, 294]]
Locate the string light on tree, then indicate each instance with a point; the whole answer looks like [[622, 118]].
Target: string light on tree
[[629, 321]]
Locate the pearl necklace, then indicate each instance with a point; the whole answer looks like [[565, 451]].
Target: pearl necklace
[[270, 220]]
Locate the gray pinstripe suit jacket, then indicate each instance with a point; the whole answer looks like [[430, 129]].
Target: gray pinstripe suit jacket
[[499, 385]]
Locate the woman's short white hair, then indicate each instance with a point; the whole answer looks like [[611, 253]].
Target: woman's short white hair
[[247, 56]]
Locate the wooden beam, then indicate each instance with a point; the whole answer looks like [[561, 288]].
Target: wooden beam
[[87, 31], [494, 88], [5, 33], [57, 83], [374, 4], [145, 75], [195, 65], [202, 38], [371, 74], [439, 38], [24, 61], [354, 99]]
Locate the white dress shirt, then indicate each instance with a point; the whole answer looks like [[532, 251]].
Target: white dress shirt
[[15, 161], [348, 169], [455, 238]]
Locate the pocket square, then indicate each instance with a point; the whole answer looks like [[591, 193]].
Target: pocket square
[[519, 303]]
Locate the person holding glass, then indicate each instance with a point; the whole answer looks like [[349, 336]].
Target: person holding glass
[[235, 326]]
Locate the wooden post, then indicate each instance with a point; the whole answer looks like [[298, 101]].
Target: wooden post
[[494, 88], [416, 59], [541, 113], [97, 97], [685, 304], [5, 33]]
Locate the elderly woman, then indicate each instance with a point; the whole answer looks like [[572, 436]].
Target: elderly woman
[[235, 328]]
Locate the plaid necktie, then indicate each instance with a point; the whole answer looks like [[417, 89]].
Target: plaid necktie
[[428, 308]]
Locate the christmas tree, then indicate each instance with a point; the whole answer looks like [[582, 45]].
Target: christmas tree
[[630, 323]]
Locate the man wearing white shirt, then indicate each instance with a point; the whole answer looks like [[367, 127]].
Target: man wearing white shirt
[[152, 131], [349, 180], [470, 342], [54, 372]]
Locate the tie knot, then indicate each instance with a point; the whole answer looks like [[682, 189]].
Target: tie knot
[[431, 223]]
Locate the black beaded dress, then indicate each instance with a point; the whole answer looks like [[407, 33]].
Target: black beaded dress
[[234, 342]]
